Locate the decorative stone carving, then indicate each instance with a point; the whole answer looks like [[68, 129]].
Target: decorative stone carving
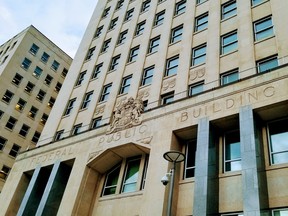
[[99, 110], [127, 115], [144, 94], [168, 84], [196, 74], [121, 101], [146, 140], [93, 154]]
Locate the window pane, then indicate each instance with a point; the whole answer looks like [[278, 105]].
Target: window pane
[[111, 181], [131, 177]]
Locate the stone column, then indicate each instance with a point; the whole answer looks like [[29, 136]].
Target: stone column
[[250, 178]]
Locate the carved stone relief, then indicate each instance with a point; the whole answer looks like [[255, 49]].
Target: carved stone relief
[[168, 84], [144, 94], [99, 110], [196, 74]]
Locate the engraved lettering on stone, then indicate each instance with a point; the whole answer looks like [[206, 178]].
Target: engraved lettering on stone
[[169, 84], [127, 115]]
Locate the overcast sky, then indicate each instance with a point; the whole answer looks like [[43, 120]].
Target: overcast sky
[[62, 21]]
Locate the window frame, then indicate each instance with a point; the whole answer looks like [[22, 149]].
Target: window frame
[[87, 99], [167, 98], [81, 78], [194, 86], [8, 96], [261, 62], [105, 92], [125, 84], [69, 106], [176, 34], [197, 57], [264, 30], [115, 62], [159, 18], [97, 70], [229, 44], [190, 157], [232, 160], [147, 76], [14, 150], [122, 37], [230, 12], [24, 130], [170, 68], [17, 79], [26, 63], [180, 7], [227, 74], [96, 122], [140, 27], [3, 142], [133, 54], [201, 23], [34, 49], [154, 47]]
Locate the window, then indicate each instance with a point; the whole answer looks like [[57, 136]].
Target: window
[[167, 98], [14, 151], [37, 72], [44, 118], [133, 54], [200, 1], [69, 106], [58, 87], [11, 123], [7, 96], [280, 212], [4, 59], [97, 71], [64, 72], [24, 130], [196, 88], [129, 14], [34, 49], [125, 85], [59, 135], [256, 2], [145, 5], [6, 170], [51, 102], [122, 37], [147, 75], [229, 9], [263, 29], [115, 62], [55, 65], [90, 53], [176, 34], [267, 64], [113, 23], [159, 18], [26, 64], [12, 45], [106, 45], [48, 79], [229, 77], [229, 42], [33, 111], [201, 22], [140, 28], [1, 113], [29, 87], [87, 100], [105, 92], [36, 137], [80, 78], [278, 141], [45, 57], [106, 12], [41, 94], [233, 214], [190, 152], [96, 123], [154, 44], [232, 151], [20, 104], [98, 31], [3, 142], [17, 79], [180, 7], [133, 170], [76, 129], [119, 4], [145, 105], [172, 66], [199, 55]]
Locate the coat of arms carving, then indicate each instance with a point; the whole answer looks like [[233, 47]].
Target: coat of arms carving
[[127, 114]]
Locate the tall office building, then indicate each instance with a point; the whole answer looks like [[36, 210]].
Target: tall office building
[[32, 70], [204, 78]]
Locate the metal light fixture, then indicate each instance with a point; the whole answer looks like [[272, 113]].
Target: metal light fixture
[[174, 157]]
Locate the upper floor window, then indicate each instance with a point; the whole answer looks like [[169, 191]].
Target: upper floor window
[[105, 92], [51, 102], [37, 72], [14, 150], [229, 42], [122, 37], [11, 123], [119, 4], [34, 49], [154, 44], [145, 5], [3, 142], [133, 54], [167, 98], [180, 7], [232, 151], [196, 88], [199, 55], [58, 87], [97, 71], [90, 53], [98, 31], [24, 130], [140, 28], [81, 78], [125, 85], [256, 2], [20, 104], [229, 77], [96, 122], [267, 64], [45, 57], [76, 129], [106, 12], [59, 135], [159, 18], [113, 23], [172, 66], [17, 79], [55, 65], [176, 34], [33, 112], [29, 87], [69, 106], [48, 79], [190, 152], [106, 45], [1, 113], [64, 72], [201, 22], [36, 137], [263, 28], [129, 14], [147, 75], [26, 63], [7, 97], [115, 62], [200, 1], [229, 9], [87, 100], [44, 119], [41, 94]]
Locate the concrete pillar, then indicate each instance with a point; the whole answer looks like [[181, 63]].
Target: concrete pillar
[[250, 178]]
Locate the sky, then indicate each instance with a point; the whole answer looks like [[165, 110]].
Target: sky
[[62, 21]]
